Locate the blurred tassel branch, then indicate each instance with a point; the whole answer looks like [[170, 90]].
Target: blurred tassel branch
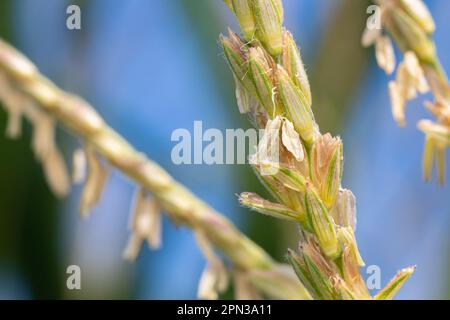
[[301, 167], [411, 26], [26, 93]]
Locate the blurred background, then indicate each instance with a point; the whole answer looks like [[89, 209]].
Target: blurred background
[[150, 67]]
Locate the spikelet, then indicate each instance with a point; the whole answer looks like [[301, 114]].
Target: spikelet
[[214, 279], [56, 172], [384, 52], [411, 25], [43, 139], [145, 224], [291, 60], [268, 147], [344, 210], [261, 73], [314, 270], [301, 168], [291, 140], [246, 17], [269, 20], [370, 36], [327, 166], [258, 204], [266, 283], [95, 182], [389, 291], [437, 139], [243, 288], [419, 12]]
